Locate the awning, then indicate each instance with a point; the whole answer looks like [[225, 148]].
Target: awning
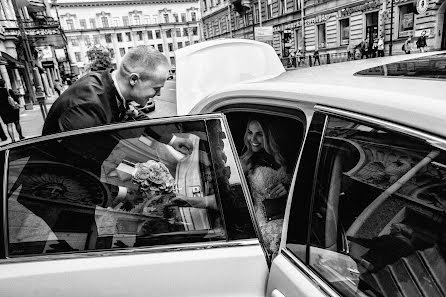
[[10, 61]]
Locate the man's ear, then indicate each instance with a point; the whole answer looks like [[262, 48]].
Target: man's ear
[[134, 77]]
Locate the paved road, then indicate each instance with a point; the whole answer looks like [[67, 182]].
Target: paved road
[[32, 121]]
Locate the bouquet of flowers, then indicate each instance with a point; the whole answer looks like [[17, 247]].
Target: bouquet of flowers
[[153, 177]]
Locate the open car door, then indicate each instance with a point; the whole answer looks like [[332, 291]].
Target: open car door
[[113, 211]]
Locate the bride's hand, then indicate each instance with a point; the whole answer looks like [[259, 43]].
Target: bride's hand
[[276, 191]]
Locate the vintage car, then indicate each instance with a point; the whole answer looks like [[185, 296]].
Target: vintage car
[[111, 211]]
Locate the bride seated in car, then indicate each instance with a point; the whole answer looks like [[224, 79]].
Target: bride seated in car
[[266, 172]]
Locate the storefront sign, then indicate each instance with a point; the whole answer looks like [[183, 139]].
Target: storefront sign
[[34, 32], [45, 52], [281, 27], [422, 6], [264, 34], [360, 8], [318, 19]]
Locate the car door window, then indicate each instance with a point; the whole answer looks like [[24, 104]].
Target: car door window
[[268, 145], [121, 188], [378, 217]]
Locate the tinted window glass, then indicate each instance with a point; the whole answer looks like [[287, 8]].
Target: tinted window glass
[[298, 225], [268, 147], [378, 220], [121, 189]]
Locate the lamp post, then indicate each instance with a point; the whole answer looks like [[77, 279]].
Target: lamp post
[[391, 28]]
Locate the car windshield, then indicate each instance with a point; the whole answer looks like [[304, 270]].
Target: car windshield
[[425, 67]]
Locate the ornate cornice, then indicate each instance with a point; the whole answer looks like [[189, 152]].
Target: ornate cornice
[[123, 2]]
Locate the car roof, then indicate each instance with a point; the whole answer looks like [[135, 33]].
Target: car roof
[[413, 102]]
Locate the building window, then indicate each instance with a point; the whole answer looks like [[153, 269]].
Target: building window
[[269, 9], [136, 20], [149, 34], [139, 34], [157, 34], [87, 41], [122, 51], [77, 55], [129, 36], [96, 39], [74, 41], [195, 31], [178, 33], [187, 43], [104, 21], [108, 38], [183, 17], [179, 44], [83, 24], [146, 21], [115, 22], [175, 17], [92, 23], [321, 36], [406, 20], [193, 16], [119, 37], [185, 32], [282, 7], [204, 5], [155, 19], [166, 18], [70, 24], [169, 33], [160, 48], [344, 31], [125, 20], [170, 46], [172, 60]]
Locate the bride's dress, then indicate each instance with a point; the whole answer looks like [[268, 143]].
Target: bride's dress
[[260, 179]]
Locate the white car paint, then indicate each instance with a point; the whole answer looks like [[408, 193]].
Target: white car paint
[[205, 67], [200, 272]]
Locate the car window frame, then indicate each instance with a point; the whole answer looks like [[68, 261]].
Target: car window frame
[[327, 112], [295, 113], [4, 152]]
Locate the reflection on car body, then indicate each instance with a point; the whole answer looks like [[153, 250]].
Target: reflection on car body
[[365, 213]]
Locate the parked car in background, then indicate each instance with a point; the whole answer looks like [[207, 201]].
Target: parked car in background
[[364, 141]]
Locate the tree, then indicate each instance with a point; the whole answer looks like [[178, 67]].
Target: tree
[[99, 59]]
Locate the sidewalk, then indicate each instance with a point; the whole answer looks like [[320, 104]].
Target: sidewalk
[[30, 120]]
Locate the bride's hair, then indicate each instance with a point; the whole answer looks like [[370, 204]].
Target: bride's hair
[[269, 143]]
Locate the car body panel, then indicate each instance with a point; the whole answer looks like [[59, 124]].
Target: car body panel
[[214, 268], [143, 274], [235, 60]]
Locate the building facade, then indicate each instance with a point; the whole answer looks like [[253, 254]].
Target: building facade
[[29, 39], [328, 25], [121, 25]]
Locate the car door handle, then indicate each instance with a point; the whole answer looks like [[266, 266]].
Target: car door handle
[[276, 293]]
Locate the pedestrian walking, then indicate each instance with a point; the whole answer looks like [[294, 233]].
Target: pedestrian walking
[[58, 87], [365, 49], [316, 57], [299, 57], [104, 97], [381, 46], [421, 41], [375, 48], [407, 46], [10, 111]]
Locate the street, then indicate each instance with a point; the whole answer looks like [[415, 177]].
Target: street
[[32, 120]]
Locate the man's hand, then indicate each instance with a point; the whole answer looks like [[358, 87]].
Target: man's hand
[[182, 145]]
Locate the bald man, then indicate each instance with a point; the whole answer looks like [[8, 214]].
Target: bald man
[[100, 98]]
